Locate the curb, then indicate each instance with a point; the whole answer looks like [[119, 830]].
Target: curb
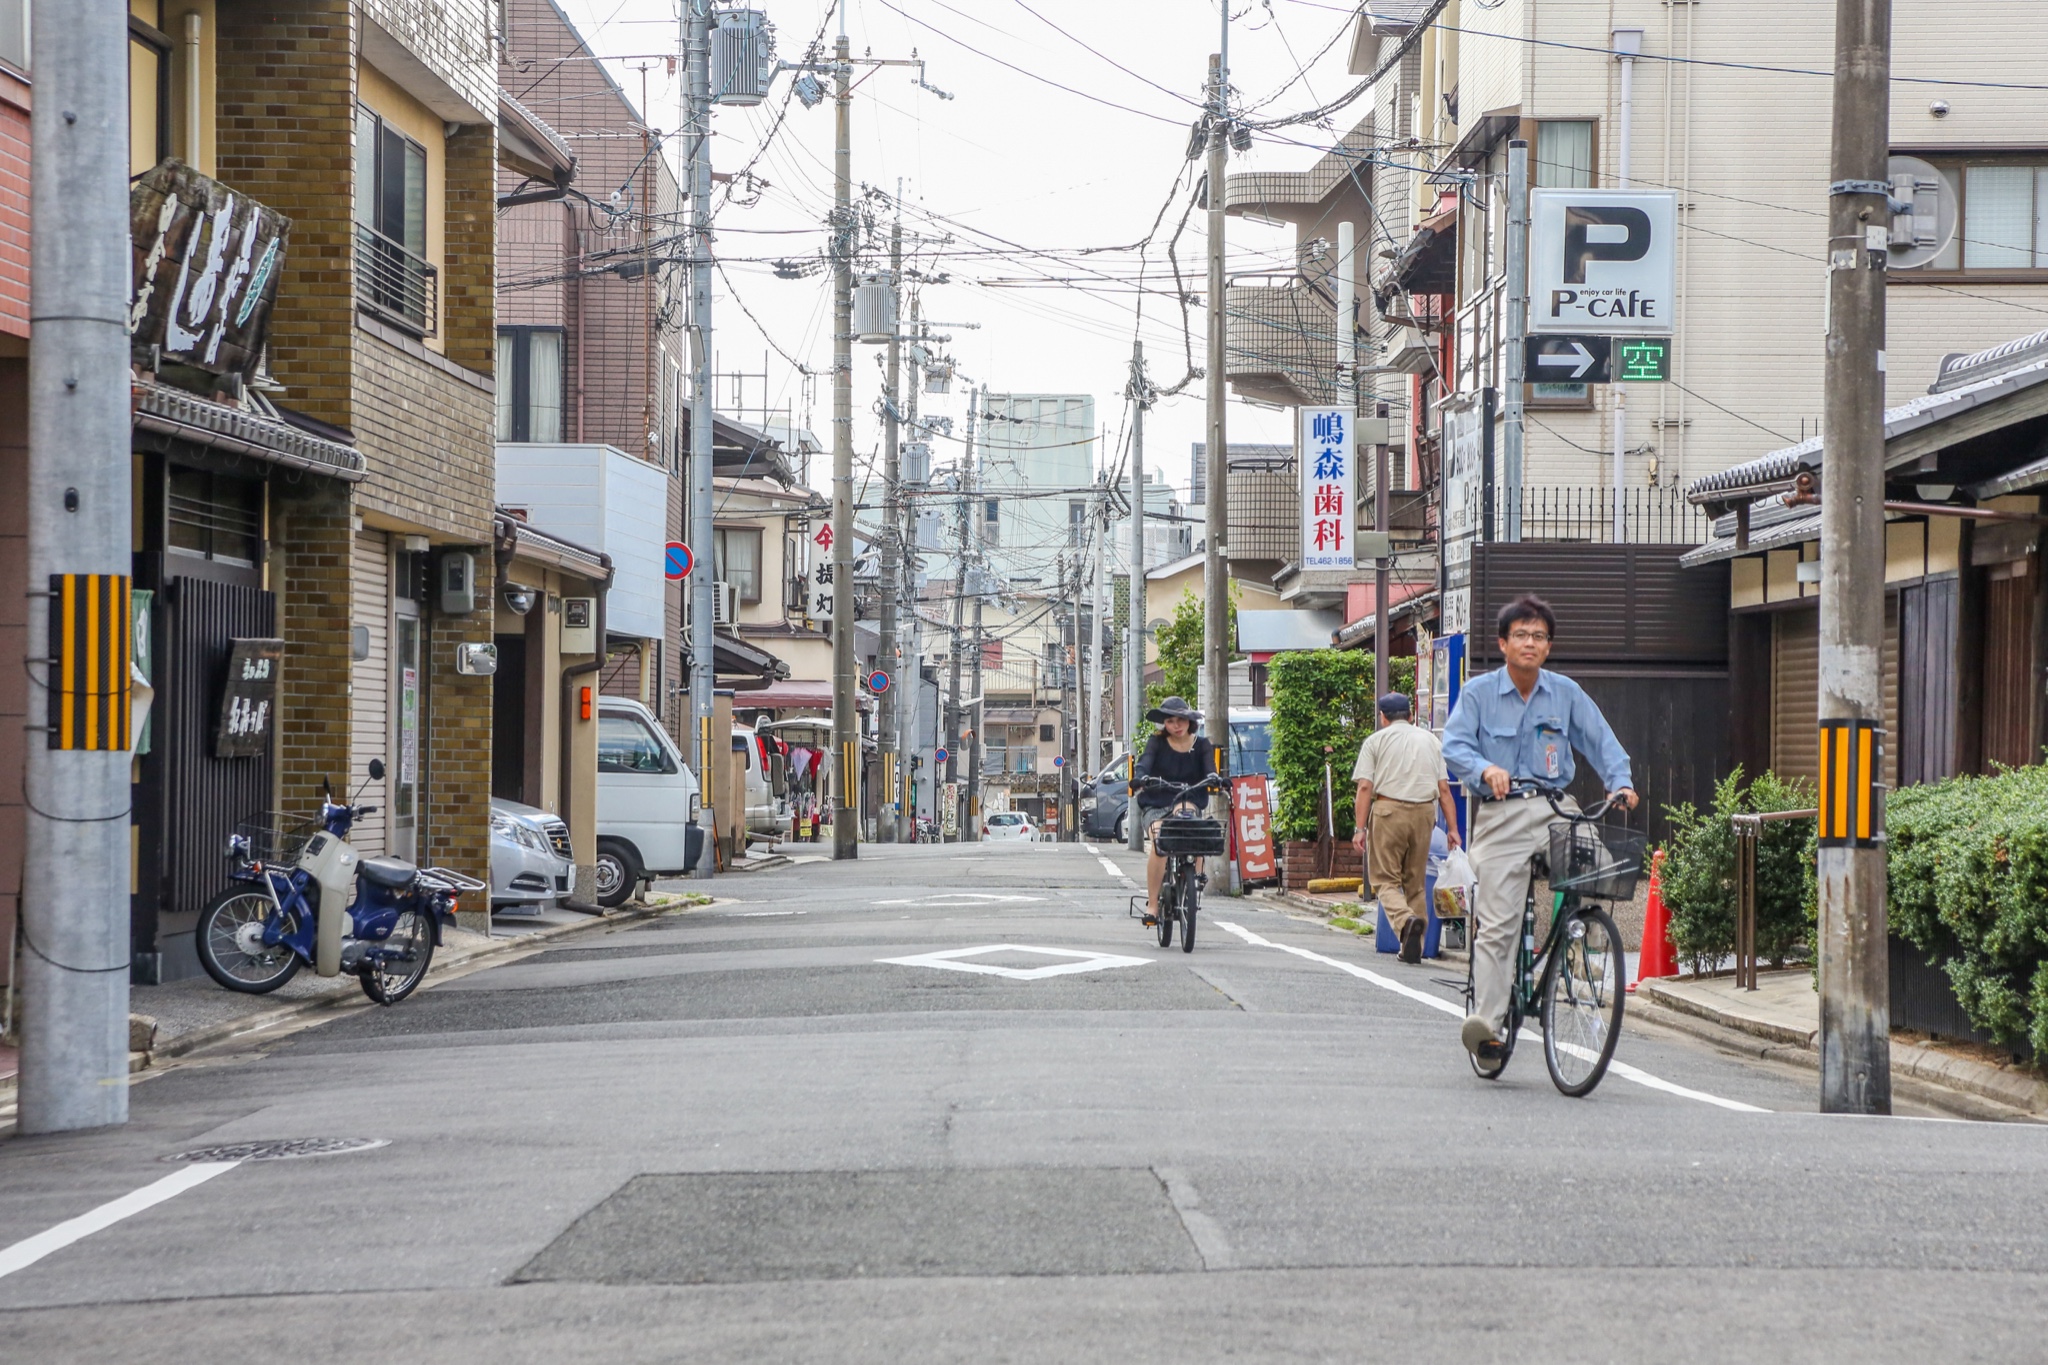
[[2003, 1084], [346, 988]]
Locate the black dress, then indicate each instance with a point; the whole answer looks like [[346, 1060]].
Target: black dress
[[1162, 760]]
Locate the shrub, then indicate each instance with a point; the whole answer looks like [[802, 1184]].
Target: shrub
[[1322, 697], [1968, 866], [1699, 871]]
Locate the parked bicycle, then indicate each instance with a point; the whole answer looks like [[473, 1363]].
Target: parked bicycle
[[1182, 836], [302, 896], [1575, 986]]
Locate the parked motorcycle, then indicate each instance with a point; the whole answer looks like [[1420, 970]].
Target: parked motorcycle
[[303, 896]]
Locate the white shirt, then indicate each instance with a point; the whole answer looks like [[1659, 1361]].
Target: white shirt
[[1402, 761]]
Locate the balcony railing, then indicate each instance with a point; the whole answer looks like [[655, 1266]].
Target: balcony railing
[[1650, 516], [396, 284]]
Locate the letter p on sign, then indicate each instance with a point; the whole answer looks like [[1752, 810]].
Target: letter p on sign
[[1605, 260]]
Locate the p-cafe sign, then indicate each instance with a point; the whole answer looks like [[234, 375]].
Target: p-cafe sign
[[1603, 261]]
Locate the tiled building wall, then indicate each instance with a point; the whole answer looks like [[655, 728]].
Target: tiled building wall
[[425, 426], [286, 136], [469, 326], [13, 205], [457, 791], [452, 38], [312, 538], [533, 247]]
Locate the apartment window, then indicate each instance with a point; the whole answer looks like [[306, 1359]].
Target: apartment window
[[1077, 520], [2002, 215], [149, 87], [1045, 734], [1564, 154], [393, 276], [529, 384], [214, 516], [14, 33], [736, 558], [991, 527]]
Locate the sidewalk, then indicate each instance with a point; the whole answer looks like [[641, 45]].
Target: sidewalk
[[1785, 1010], [196, 1012]]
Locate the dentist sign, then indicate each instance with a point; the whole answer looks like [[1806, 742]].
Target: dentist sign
[[1328, 478], [1603, 261]]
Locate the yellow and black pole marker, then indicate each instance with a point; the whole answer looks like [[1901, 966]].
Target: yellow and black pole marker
[[1851, 784], [91, 638]]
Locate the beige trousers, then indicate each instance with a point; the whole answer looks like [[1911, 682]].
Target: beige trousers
[[1397, 856], [1505, 835]]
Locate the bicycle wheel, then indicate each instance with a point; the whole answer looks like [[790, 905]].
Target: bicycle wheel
[[1169, 901], [1190, 901], [1583, 989]]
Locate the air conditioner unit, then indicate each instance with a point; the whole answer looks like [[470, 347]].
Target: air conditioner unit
[[725, 604]]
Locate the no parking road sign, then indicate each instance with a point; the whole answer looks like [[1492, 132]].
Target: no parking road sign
[[677, 561], [942, 755], [878, 681]]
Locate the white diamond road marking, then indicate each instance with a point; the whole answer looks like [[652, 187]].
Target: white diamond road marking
[[954, 960], [961, 898]]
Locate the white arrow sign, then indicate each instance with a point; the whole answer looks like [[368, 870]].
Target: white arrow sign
[[1580, 361]]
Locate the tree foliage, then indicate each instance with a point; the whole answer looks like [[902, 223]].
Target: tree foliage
[[1322, 697], [1180, 660]]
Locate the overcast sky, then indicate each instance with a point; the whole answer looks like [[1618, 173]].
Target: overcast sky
[[1060, 173]]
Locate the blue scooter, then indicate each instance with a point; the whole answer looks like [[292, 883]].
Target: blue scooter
[[308, 898]]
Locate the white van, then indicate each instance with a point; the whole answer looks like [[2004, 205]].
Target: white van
[[646, 803]]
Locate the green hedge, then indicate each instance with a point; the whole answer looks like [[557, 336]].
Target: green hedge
[[1699, 871], [1968, 865], [1322, 697]]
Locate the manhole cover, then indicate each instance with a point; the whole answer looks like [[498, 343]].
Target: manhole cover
[[283, 1150]]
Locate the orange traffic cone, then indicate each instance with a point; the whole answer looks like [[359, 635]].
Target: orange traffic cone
[[1657, 957]]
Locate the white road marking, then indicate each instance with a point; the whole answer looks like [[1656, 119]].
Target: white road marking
[[29, 1250], [1090, 848], [763, 914], [957, 898], [1107, 866], [1206, 1233], [951, 960], [1451, 1007]]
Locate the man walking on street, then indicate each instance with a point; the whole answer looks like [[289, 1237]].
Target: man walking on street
[[1510, 739], [1401, 785]]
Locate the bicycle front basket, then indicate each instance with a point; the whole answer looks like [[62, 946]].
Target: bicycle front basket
[[1601, 862], [1192, 835]]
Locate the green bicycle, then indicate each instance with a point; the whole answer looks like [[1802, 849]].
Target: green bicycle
[[1575, 986]]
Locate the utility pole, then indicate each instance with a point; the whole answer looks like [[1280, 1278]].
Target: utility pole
[[887, 705], [1134, 688], [970, 824], [953, 727], [1098, 637], [74, 976], [1216, 566], [1512, 427], [1855, 1008], [1628, 42], [845, 718], [703, 579], [905, 530]]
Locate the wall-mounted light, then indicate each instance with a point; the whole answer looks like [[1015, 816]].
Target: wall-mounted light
[[1935, 492]]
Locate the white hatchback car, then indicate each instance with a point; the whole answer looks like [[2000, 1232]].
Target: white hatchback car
[[1009, 824]]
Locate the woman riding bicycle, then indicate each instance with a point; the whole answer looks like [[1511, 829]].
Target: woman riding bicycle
[[1177, 755], [1516, 728]]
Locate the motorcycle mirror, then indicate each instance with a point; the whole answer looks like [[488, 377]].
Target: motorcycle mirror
[[376, 770], [326, 789]]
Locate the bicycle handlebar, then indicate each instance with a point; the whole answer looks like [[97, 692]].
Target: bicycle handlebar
[[1213, 782], [1553, 795]]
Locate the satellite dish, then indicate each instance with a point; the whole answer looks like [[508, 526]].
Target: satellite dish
[[1923, 212]]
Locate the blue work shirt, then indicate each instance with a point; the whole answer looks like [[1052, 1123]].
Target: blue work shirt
[[1492, 726]]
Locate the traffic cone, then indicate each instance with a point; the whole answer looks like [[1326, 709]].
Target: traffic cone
[[1657, 957]]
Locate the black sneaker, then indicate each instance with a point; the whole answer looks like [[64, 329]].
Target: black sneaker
[[1411, 941], [1201, 881]]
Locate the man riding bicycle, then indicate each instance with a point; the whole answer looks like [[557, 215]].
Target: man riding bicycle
[[1509, 738]]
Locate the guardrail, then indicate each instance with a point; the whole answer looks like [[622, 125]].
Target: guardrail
[[1749, 829], [396, 283]]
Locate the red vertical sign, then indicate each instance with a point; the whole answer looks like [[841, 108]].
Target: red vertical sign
[[1254, 819]]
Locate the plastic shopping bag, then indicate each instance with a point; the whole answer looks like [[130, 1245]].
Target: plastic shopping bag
[[1454, 885]]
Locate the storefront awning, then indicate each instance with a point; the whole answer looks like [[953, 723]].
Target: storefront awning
[[183, 416]]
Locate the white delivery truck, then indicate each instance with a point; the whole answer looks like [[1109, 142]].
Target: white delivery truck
[[646, 803]]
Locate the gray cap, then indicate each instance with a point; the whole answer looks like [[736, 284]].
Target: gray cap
[[1394, 704]]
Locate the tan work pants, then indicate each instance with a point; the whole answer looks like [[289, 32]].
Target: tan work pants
[[1397, 852], [1505, 835]]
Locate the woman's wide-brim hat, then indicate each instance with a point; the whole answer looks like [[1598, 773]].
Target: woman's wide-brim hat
[[1172, 706]]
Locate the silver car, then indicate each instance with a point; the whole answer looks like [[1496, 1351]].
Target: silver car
[[531, 865]]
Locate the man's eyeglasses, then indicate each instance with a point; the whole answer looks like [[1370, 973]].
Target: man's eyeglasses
[[1528, 637]]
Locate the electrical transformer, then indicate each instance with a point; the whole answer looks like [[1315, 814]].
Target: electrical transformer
[[742, 57]]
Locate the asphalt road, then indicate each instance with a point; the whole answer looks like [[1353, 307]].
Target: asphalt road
[[812, 1123]]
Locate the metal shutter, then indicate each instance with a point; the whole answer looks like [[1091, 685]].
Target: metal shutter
[[370, 687], [1795, 693]]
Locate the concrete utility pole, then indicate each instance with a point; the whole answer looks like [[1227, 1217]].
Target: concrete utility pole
[[1855, 1009], [953, 728], [704, 576], [1098, 637], [1628, 42], [1134, 683], [1512, 428], [1216, 454], [845, 718], [970, 823], [910, 645], [887, 705], [75, 962]]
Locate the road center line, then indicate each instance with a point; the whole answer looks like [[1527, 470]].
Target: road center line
[[1435, 1002], [1107, 866], [29, 1250]]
